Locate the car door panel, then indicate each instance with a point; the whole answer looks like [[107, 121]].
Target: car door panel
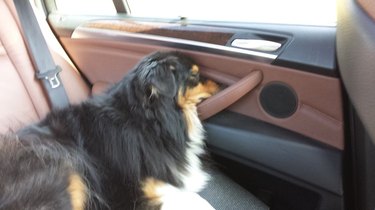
[[277, 149], [309, 48], [319, 112], [304, 148]]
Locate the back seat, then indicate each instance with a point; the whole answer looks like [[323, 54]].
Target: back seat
[[22, 98]]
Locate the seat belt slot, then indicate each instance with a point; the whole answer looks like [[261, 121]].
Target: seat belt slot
[[52, 76]]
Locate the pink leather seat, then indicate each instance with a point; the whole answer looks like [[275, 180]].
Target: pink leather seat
[[22, 98]]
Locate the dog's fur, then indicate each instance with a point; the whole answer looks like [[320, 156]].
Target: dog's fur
[[143, 135], [39, 173]]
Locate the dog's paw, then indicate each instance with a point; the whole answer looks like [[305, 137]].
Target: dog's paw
[[185, 201]]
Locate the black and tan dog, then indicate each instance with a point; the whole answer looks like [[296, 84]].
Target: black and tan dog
[[138, 146]]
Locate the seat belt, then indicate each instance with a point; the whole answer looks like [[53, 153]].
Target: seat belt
[[46, 69]]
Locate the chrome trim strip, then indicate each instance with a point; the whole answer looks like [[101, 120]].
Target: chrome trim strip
[[108, 34]]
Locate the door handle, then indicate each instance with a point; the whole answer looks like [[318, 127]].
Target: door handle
[[229, 95], [256, 44]]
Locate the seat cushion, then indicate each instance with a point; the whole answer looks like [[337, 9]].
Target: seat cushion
[[16, 105]]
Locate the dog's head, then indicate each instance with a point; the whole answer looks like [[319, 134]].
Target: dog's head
[[173, 75]]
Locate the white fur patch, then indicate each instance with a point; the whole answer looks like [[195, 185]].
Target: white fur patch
[[195, 178], [173, 198]]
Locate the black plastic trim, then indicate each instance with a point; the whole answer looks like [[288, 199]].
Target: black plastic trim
[[308, 48], [312, 50], [363, 168], [276, 149]]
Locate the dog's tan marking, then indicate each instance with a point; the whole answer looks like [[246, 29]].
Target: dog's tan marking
[[197, 94], [195, 178], [151, 188], [201, 91], [192, 96], [78, 192], [194, 69]]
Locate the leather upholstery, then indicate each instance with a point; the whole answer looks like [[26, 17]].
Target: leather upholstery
[[319, 114], [21, 95]]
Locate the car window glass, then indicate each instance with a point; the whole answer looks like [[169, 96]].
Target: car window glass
[[307, 12], [86, 7]]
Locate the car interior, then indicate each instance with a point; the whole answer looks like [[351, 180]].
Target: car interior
[[294, 124]]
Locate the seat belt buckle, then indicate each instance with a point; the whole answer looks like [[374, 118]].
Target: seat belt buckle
[[51, 76]]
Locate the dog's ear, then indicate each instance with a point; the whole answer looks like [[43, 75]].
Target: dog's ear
[[160, 79]]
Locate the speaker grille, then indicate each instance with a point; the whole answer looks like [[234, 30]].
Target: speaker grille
[[278, 100]]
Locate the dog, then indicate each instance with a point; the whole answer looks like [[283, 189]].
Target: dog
[[39, 173], [137, 146]]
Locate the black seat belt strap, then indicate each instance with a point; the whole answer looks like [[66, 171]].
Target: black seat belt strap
[[46, 69]]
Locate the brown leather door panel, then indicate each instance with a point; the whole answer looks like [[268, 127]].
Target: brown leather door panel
[[107, 55]]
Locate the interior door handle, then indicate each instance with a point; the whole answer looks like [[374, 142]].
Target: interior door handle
[[229, 95], [256, 44]]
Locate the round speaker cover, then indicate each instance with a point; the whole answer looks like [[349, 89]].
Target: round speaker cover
[[278, 100]]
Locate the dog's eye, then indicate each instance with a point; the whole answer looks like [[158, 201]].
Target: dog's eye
[[171, 67], [194, 79], [194, 76]]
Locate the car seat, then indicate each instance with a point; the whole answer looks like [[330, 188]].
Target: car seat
[[22, 98]]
